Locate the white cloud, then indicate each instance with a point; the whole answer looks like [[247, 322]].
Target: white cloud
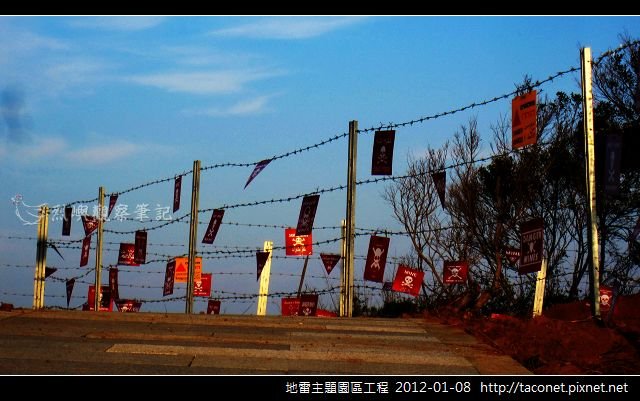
[[19, 43], [288, 27], [37, 149], [256, 105], [201, 56], [133, 23], [44, 147], [103, 153], [206, 82], [56, 149], [74, 72]]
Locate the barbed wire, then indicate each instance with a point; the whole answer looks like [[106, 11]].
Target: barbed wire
[[367, 181], [154, 182], [615, 51], [106, 230], [134, 188], [331, 189], [382, 126], [280, 156], [469, 106], [76, 278]]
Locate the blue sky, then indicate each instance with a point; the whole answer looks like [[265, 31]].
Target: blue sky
[[120, 101]]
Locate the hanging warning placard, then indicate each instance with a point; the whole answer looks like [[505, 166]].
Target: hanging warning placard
[[202, 287], [90, 224], [297, 245], [84, 254], [330, 260], [612, 164], [104, 300], [408, 280], [140, 248], [113, 198], [177, 188], [606, 298], [307, 214], [213, 307], [69, 284], [128, 305], [308, 305], [49, 271], [382, 155], [440, 182], [290, 306], [524, 125], [214, 225], [261, 260], [169, 278], [113, 283], [531, 243], [126, 255], [455, 272], [256, 170], [182, 269], [376, 258], [66, 222], [513, 255]]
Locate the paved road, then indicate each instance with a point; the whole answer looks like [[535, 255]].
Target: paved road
[[74, 342]]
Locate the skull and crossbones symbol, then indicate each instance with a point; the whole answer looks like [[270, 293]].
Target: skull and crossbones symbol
[[604, 299], [382, 156], [377, 253], [407, 282], [455, 270], [306, 216]]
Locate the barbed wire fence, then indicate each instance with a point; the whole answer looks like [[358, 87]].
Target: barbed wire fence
[[154, 266]]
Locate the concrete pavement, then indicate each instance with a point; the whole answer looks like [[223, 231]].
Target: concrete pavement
[[74, 342]]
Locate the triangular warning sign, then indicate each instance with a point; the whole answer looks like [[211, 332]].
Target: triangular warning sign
[[516, 119]]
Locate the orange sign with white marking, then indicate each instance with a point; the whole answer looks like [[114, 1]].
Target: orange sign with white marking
[[182, 267], [524, 123]]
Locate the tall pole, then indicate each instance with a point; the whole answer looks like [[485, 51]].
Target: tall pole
[[265, 275], [304, 272], [590, 160], [41, 258], [343, 273], [193, 233], [351, 218], [98, 279], [541, 282]]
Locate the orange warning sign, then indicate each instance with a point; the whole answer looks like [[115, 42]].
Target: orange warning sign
[[524, 126], [182, 266]]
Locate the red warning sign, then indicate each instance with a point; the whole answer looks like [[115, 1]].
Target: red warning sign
[[297, 245], [606, 298], [128, 305], [308, 305], [202, 287], [408, 280], [105, 298], [524, 123], [213, 307], [290, 306], [127, 255], [455, 272]]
